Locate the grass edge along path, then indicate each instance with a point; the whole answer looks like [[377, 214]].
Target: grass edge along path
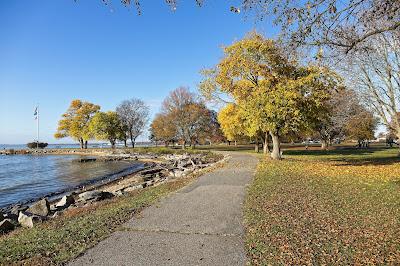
[[331, 208], [63, 238]]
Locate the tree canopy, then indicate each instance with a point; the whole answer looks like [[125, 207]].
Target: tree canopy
[[134, 116], [106, 126], [183, 117], [75, 122], [272, 91], [331, 23], [231, 122], [361, 126], [163, 129]]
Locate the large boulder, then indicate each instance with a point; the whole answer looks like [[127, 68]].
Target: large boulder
[[28, 220], [6, 226], [94, 195], [65, 201], [42, 208]]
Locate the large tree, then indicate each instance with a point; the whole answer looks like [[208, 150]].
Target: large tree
[[275, 94], [163, 128], [75, 122], [106, 126], [134, 115], [341, 107], [190, 116], [376, 76], [361, 126]]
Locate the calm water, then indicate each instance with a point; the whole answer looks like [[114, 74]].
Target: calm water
[[71, 146], [24, 177]]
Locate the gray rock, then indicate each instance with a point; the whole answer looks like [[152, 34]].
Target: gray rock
[[148, 177], [94, 195], [132, 188], [28, 220], [53, 208], [12, 217], [42, 208], [84, 160], [18, 208], [118, 193], [1, 217], [65, 201], [6, 226], [178, 173], [151, 172]]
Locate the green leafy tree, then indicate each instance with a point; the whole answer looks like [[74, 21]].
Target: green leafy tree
[[361, 126], [106, 126]]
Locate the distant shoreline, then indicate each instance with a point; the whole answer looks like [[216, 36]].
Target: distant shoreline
[[73, 146]]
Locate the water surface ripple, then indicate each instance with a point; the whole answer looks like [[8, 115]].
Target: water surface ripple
[[24, 177]]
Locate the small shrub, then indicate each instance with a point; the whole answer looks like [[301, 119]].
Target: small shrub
[[34, 145]]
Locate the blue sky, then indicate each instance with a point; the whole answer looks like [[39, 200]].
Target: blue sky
[[54, 51]]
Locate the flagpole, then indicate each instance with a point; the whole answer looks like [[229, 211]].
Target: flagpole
[[37, 143]]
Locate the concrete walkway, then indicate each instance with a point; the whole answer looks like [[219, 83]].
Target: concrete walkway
[[200, 224]]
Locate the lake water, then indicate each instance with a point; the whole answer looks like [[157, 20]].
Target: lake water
[[24, 177], [71, 146]]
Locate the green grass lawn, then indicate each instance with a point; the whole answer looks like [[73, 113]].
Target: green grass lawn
[[325, 207]]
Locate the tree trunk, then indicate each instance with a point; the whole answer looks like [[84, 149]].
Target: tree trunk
[[81, 143], [266, 144], [359, 144], [86, 144], [256, 146], [184, 145], [229, 143], [235, 143], [276, 147], [133, 140], [324, 144], [112, 144], [398, 140], [125, 144]]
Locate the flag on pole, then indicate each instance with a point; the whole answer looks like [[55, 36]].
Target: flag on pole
[[35, 114]]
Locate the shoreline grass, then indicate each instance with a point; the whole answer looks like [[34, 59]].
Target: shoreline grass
[[335, 207], [63, 238]]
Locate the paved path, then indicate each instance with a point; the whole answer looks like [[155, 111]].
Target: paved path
[[200, 224]]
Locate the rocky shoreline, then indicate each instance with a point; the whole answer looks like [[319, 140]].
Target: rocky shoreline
[[156, 169]]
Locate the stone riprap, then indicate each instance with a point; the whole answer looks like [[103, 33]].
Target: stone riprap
[[167, 167]]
